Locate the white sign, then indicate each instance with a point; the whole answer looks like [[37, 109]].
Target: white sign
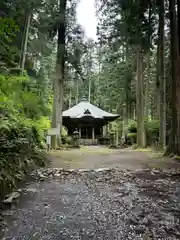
[[48, 140], [53, 131]]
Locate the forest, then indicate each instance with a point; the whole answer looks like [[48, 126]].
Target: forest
[[47, 64]]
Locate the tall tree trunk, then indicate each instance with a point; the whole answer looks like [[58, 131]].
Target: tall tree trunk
[[162, 132], [177, 44], [77, 88], [70, 96], [59, 81], [89, 91], [141, 135], [146, 104], [172, 147], [178, 17], [127, 87], [53, 121], [25, 40], [158, 78]]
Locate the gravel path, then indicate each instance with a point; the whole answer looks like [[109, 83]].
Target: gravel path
[[96, 204], [101, 204]]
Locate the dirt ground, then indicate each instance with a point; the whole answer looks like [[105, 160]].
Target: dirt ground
[[97, 193], [100, 157]]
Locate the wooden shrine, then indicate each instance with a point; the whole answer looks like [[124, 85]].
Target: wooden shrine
[[88, 120]]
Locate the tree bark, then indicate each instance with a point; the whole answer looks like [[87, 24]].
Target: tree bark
[[25, 40], [141, 135], [70, 96], [173, 146], [89, 91], [177, 44], [53, 121], [158, 78], [59, 81], [126, 113], [146, 105], [178, 17], [77, 88], [162, 132]]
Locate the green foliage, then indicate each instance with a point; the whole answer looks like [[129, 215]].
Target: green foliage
[[64, 132], [8, 29], [152, 131], [131, 136], [19, 152], [65, 138], [111, 132], [69, 140], [132, 126], [22, 127], [17, 95], [153, 126]]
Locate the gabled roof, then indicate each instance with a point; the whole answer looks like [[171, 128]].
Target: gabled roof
[[85, 108]]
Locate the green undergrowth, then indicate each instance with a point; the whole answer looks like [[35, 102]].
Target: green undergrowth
[[176, 157], [148, 149], [22, 128], [151, 130], [20, 152]]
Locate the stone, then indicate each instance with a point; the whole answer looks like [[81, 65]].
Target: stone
[[11, 197], [70, 170], [30, 190], [102, 169], [133, 220], [57, 174], [155, 171], [140, 230], [83, 170]]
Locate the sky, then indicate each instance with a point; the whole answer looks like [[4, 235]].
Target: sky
[[86, 17]]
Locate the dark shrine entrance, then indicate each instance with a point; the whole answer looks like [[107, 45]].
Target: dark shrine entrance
[[86, 132], [90, 132]]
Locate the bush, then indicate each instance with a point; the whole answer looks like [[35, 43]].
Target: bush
[[153, 126], [132, 137], [19, 153], [64, 132], [64, 136], [152, 131], [69, 140], [132, 126], [22, 127]]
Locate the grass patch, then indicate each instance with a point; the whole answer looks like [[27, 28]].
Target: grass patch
[[98, 150], [144, 149], [176, 157]]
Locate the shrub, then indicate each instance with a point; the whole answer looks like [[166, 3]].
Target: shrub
[[132, 126], [64, 132], [152, 131], [69, 140], [131, 136], [19, 153], [22, 128]]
